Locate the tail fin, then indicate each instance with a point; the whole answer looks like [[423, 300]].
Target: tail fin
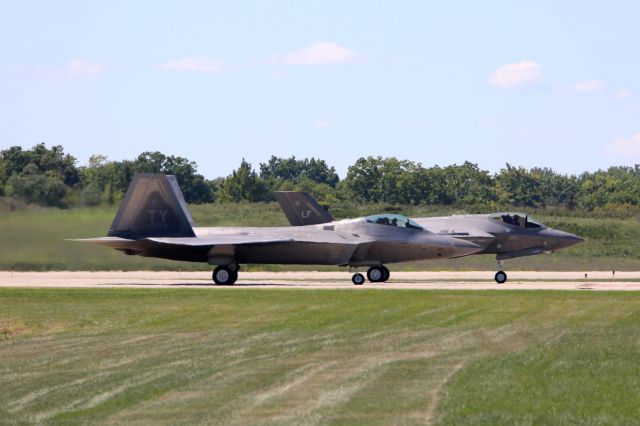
[[301, 208], [153, 207]]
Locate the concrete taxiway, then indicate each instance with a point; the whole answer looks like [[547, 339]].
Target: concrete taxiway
[[468, 280]]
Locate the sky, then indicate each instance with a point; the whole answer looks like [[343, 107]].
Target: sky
[[534, 84]]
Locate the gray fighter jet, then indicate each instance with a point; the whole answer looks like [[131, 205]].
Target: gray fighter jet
[[507, 235], [153, 220]]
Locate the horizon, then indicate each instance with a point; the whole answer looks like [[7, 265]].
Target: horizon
[[542, 85]]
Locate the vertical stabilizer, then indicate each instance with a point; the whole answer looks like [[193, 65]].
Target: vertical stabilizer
[[152, 207], [301, 209]]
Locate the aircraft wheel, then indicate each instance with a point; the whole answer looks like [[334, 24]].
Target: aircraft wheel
[[222, 275], [387, 274], [501, 277], [375, 274], [358, 279]]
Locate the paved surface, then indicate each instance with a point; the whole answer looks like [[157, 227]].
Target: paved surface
[[473, 280]]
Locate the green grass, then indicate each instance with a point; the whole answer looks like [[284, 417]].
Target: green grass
[[234, 356], [35, 240]]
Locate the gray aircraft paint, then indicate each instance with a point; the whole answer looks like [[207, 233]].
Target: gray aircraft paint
[[506, 241], [302, 209], [153, 221]]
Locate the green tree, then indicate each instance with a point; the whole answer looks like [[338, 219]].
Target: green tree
[[278, 170], [112, 178], [376, 179], [614, 187], [37, 188], [517, 186], [243, 184], [108, 178], [423, 186], [555, 189], [50, 162], [193, 185], [465, 184]]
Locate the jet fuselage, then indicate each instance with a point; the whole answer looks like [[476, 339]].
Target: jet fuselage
[[505, 240]]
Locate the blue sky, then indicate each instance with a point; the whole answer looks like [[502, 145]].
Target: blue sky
[[544, 83]]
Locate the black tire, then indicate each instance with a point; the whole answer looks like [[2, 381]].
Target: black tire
[[357, 279], [375, 274], [222, 275], [501, 277], [387, 274]]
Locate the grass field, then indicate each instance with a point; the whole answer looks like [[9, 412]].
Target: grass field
[[35, 240], [191, 356]]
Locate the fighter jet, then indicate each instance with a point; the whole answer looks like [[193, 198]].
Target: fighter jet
[[153, 221], [507, 235]]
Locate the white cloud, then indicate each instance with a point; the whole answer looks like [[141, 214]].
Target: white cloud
[[74, 69], [82, 68], [519, 74], [195, 63], [319, 53], [489, 121], [19, 68], [587, 86], [629, 147], [623, 94], [279, 74], [323, 124]]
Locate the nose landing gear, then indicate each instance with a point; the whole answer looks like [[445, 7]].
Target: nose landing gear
[[501, 276]]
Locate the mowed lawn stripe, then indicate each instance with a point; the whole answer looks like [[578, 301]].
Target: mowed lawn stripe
[[185, 356]]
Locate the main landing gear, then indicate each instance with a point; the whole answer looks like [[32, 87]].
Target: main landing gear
[[501, 276], [375, 274], [225, 275]]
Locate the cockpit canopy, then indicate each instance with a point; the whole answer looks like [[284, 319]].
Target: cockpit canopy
[[517, 219], [393, 220]]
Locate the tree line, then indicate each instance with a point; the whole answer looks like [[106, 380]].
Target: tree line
[[51, 177]]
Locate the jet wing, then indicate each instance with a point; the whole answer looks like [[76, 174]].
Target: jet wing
[[220, 240], [306, 248], [232, 239], [259, 238]]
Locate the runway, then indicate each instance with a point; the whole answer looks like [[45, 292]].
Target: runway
[[468, 280]]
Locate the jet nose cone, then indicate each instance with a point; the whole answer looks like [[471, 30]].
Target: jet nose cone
[[572, 239], [560, 239]]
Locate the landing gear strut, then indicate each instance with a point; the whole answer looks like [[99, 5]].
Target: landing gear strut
[[501, 276], [225, 275]]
